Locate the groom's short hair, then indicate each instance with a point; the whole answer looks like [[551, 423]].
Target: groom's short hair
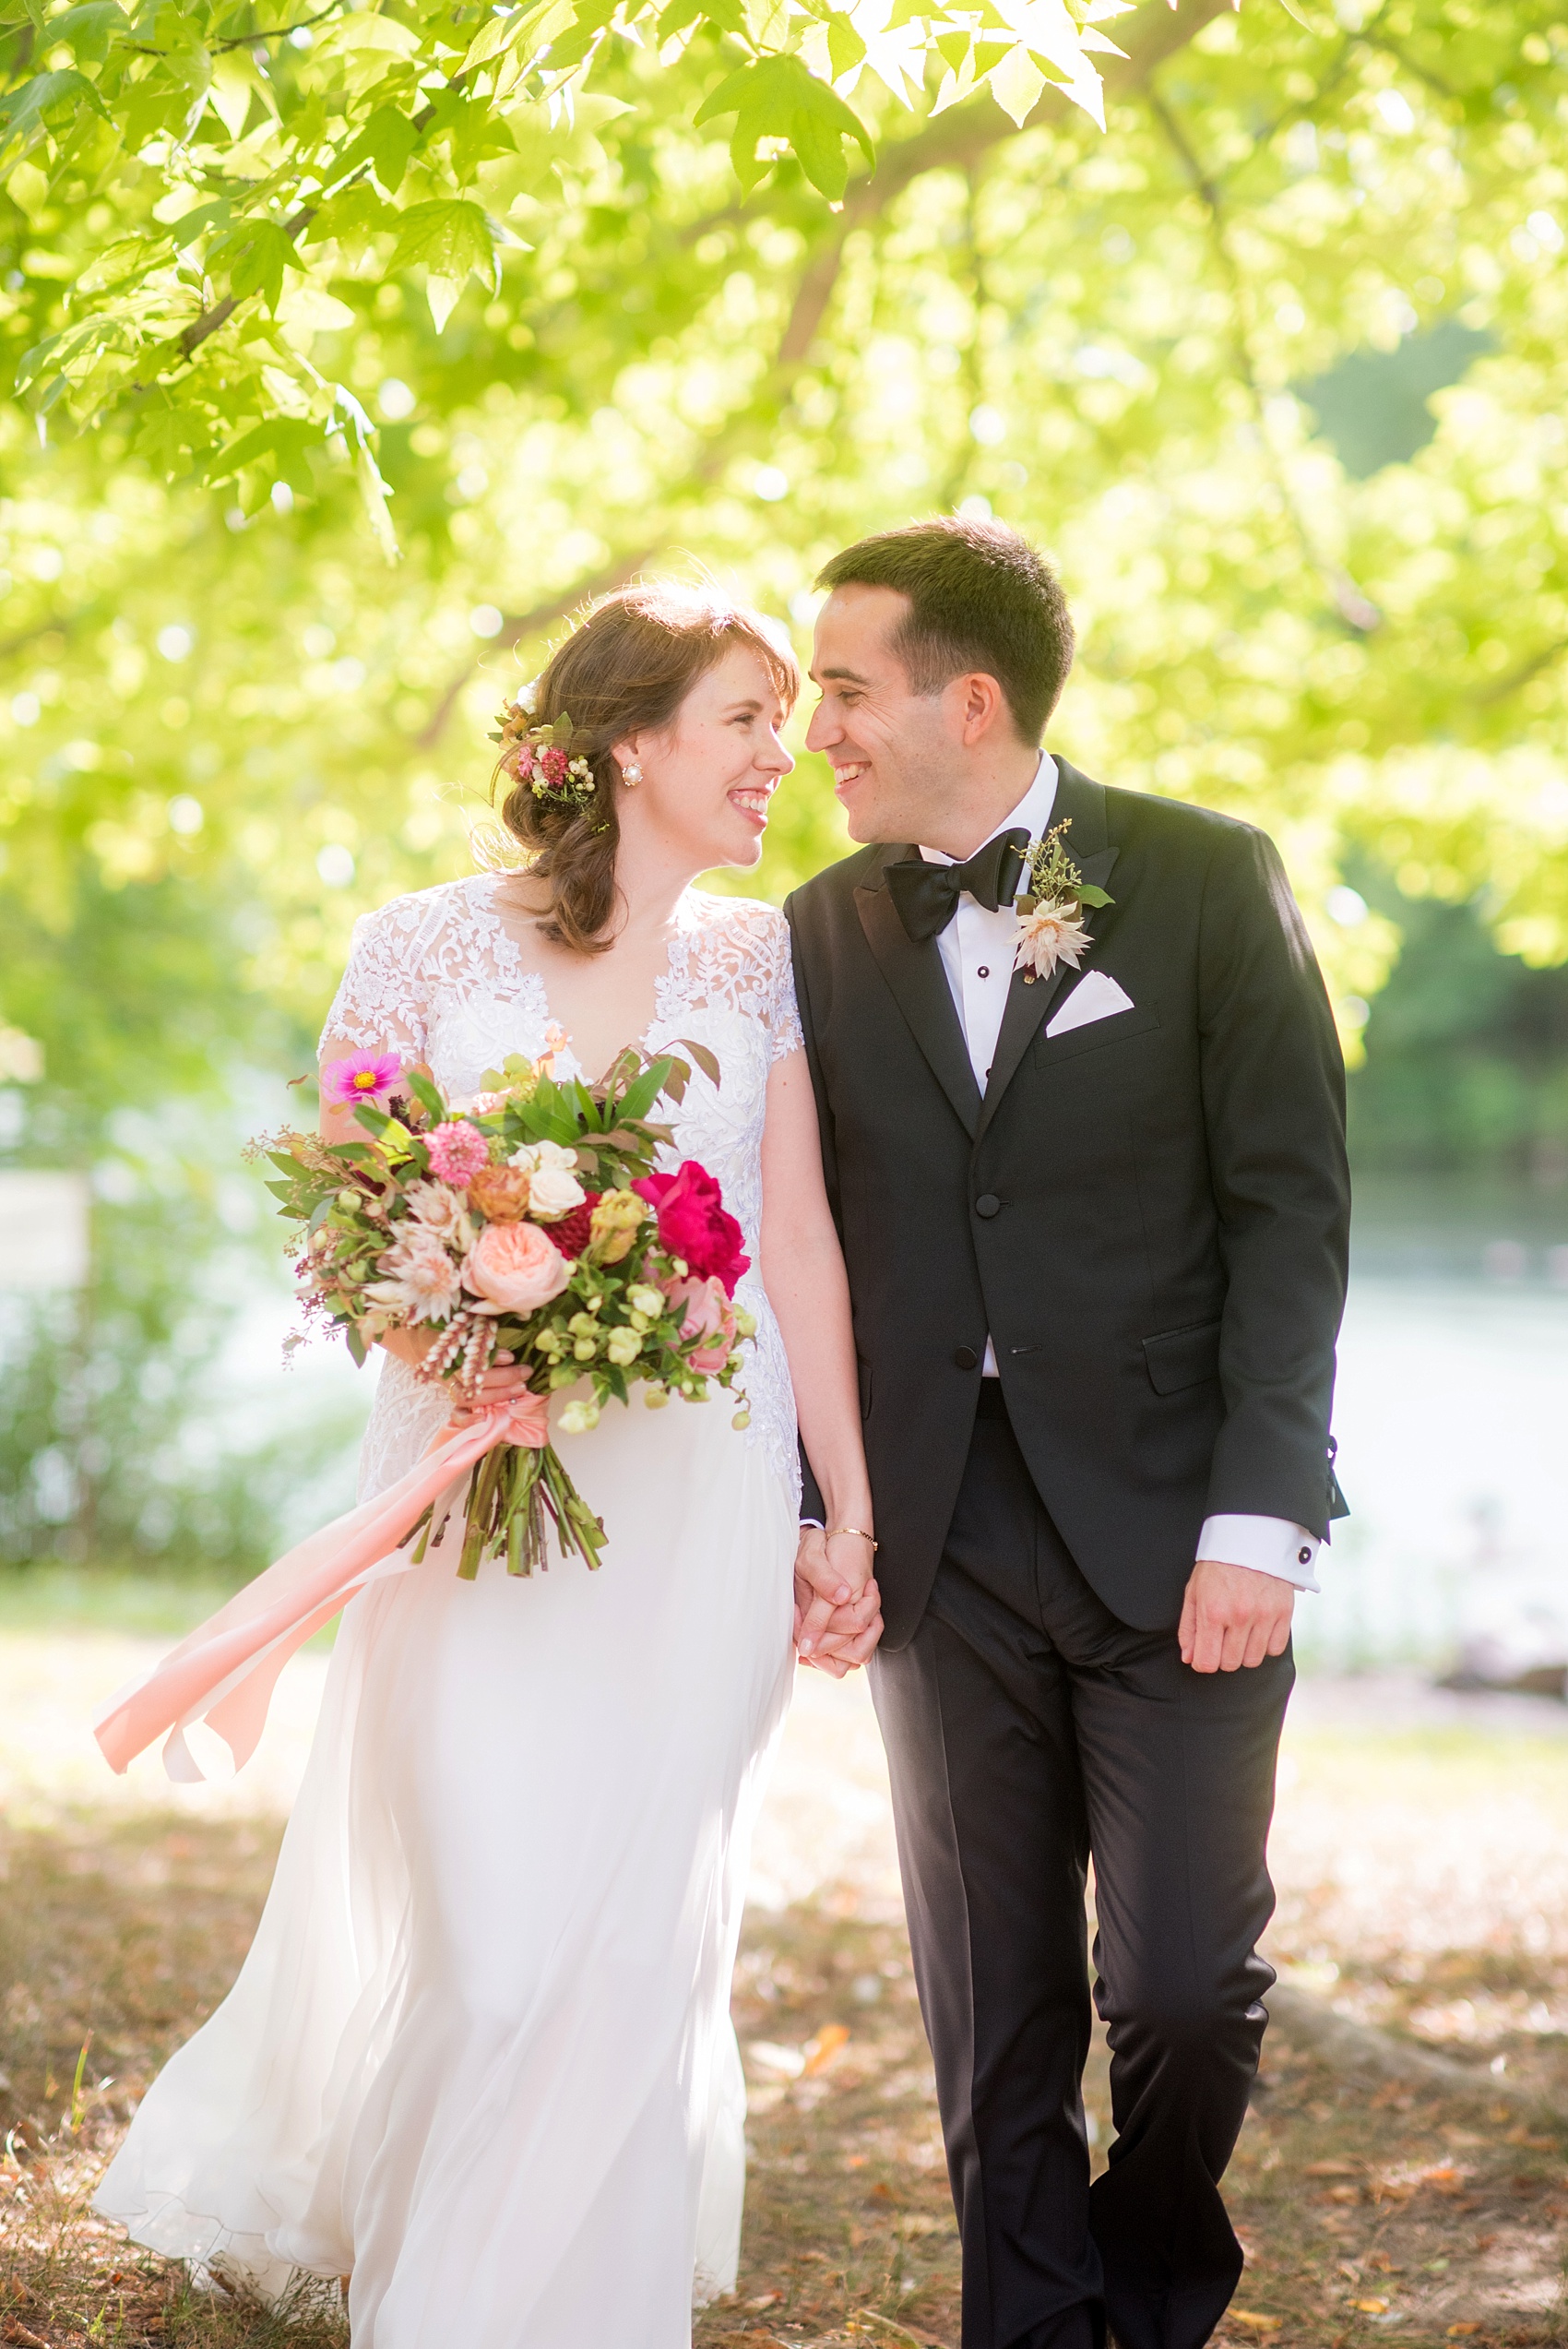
[[979, 598]]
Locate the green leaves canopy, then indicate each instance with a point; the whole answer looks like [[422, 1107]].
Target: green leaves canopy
[[1113, 341], [226, 162]]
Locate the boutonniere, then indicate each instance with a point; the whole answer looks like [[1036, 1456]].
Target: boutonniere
[[1051, 923]]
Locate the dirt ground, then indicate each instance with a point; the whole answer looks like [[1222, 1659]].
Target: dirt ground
[[1421, 1854]]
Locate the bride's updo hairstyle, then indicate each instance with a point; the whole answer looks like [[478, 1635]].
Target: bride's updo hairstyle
[[625, 670]]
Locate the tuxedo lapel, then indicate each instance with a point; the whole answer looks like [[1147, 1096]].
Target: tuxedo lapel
[[1030, 1002], [919, 988]]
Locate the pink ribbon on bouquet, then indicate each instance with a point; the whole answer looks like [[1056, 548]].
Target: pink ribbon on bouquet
[[224, 1672]]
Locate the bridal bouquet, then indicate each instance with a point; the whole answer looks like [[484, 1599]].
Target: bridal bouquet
[[529, 1221]]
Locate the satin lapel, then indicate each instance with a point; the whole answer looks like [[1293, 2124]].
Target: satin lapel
[[920, 990], [1029, 1005]]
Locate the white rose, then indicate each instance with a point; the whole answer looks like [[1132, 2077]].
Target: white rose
[[552, 1191], [534, 1155]]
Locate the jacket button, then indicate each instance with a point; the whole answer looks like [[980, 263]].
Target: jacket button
[[965, 1357], [1304, 1557], [988, 1204]]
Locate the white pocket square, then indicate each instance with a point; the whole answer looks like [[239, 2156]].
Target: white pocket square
[[1096, 997]]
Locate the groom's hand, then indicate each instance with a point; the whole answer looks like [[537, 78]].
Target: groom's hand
[[1232, 1615], [837, 1606]]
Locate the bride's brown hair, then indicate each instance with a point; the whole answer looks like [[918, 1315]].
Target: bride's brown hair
[[625, 670]]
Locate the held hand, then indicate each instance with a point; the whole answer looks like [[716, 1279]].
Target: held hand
[[828, 1574], [1233, 1616], [852, 1636], [504, 1381]]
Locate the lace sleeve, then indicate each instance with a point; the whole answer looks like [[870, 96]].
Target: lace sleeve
[[382, 998], [780, 1015]]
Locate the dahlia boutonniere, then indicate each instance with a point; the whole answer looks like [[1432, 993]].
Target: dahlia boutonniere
[[1051, 923]]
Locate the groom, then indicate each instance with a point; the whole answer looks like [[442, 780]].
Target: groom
[[1095, 1215]]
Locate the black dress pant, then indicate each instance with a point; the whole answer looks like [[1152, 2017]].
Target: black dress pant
[[1027, 1730]]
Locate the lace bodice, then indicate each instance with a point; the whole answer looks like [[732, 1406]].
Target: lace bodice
[[437, 977]]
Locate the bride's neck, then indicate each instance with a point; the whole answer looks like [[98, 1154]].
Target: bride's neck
[[652, 874]]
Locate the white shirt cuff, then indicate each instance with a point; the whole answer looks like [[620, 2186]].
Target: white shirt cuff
[[1266, 1544]]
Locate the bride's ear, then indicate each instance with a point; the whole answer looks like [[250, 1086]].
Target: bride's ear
[[624, 753]]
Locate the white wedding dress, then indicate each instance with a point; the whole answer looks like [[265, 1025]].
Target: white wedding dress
[[479, 2056]]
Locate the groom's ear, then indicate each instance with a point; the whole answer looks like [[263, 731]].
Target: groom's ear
[[979, 708]]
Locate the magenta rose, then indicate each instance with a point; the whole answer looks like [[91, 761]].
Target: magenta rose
[[708, 1314], [693, 1225]]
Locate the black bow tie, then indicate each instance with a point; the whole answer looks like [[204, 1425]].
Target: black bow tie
[[927, 895]]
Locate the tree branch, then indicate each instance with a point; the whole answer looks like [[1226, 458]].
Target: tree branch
[[1521, 676], [278, 33], [957, 139]]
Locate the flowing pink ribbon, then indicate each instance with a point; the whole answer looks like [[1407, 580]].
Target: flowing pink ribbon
[[225, 1671]]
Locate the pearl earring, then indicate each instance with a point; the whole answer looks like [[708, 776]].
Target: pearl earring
[[632, 773]]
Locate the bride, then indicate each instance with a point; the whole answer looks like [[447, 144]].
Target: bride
[[479, 2061]]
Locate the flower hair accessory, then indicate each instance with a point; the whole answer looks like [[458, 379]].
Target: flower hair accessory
[[1051, 925], [544, 757]]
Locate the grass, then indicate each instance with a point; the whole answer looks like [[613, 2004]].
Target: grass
[[62, 1599], [1424, 1880]]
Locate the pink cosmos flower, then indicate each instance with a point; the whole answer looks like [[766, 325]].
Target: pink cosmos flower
[[457, 1151], [360, 1076]]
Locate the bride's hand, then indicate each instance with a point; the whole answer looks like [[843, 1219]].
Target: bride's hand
[[836, 1601], [505, 1380]]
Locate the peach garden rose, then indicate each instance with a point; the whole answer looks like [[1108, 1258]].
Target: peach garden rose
[[516, 1268]]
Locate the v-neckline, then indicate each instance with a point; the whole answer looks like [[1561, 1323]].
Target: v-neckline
[[663, 981]]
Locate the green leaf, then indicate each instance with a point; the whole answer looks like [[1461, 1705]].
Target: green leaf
[[589, 20], [452, 237], [191, 224], [42, 102], [287, 441], [639, 1098], [89, 29], [845, 47], [424, 1093], [387, 143], [1089, 895], [255, 253], [778, 97]]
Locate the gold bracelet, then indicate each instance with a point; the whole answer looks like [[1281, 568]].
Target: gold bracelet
[[856, 1531]]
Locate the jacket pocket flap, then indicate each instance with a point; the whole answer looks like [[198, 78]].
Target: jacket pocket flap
[[1179, 1358]]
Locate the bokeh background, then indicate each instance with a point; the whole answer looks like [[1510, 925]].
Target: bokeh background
[[1273, 367]]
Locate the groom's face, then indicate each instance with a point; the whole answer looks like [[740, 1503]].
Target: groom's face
[[888, 746]]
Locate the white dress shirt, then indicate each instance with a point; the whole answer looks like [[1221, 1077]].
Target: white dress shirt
[[977, 948]]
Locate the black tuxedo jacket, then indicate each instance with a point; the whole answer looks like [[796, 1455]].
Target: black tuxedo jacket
[[1148, 1214]]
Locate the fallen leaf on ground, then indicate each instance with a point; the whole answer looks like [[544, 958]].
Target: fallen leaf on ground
[[1253, 2321], [819, 2052], [888, 2329], [1370, 2307], [1455, 2331]]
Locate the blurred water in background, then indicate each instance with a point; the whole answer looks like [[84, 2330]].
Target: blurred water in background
[[1452, 1419], [1453, 1425]]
